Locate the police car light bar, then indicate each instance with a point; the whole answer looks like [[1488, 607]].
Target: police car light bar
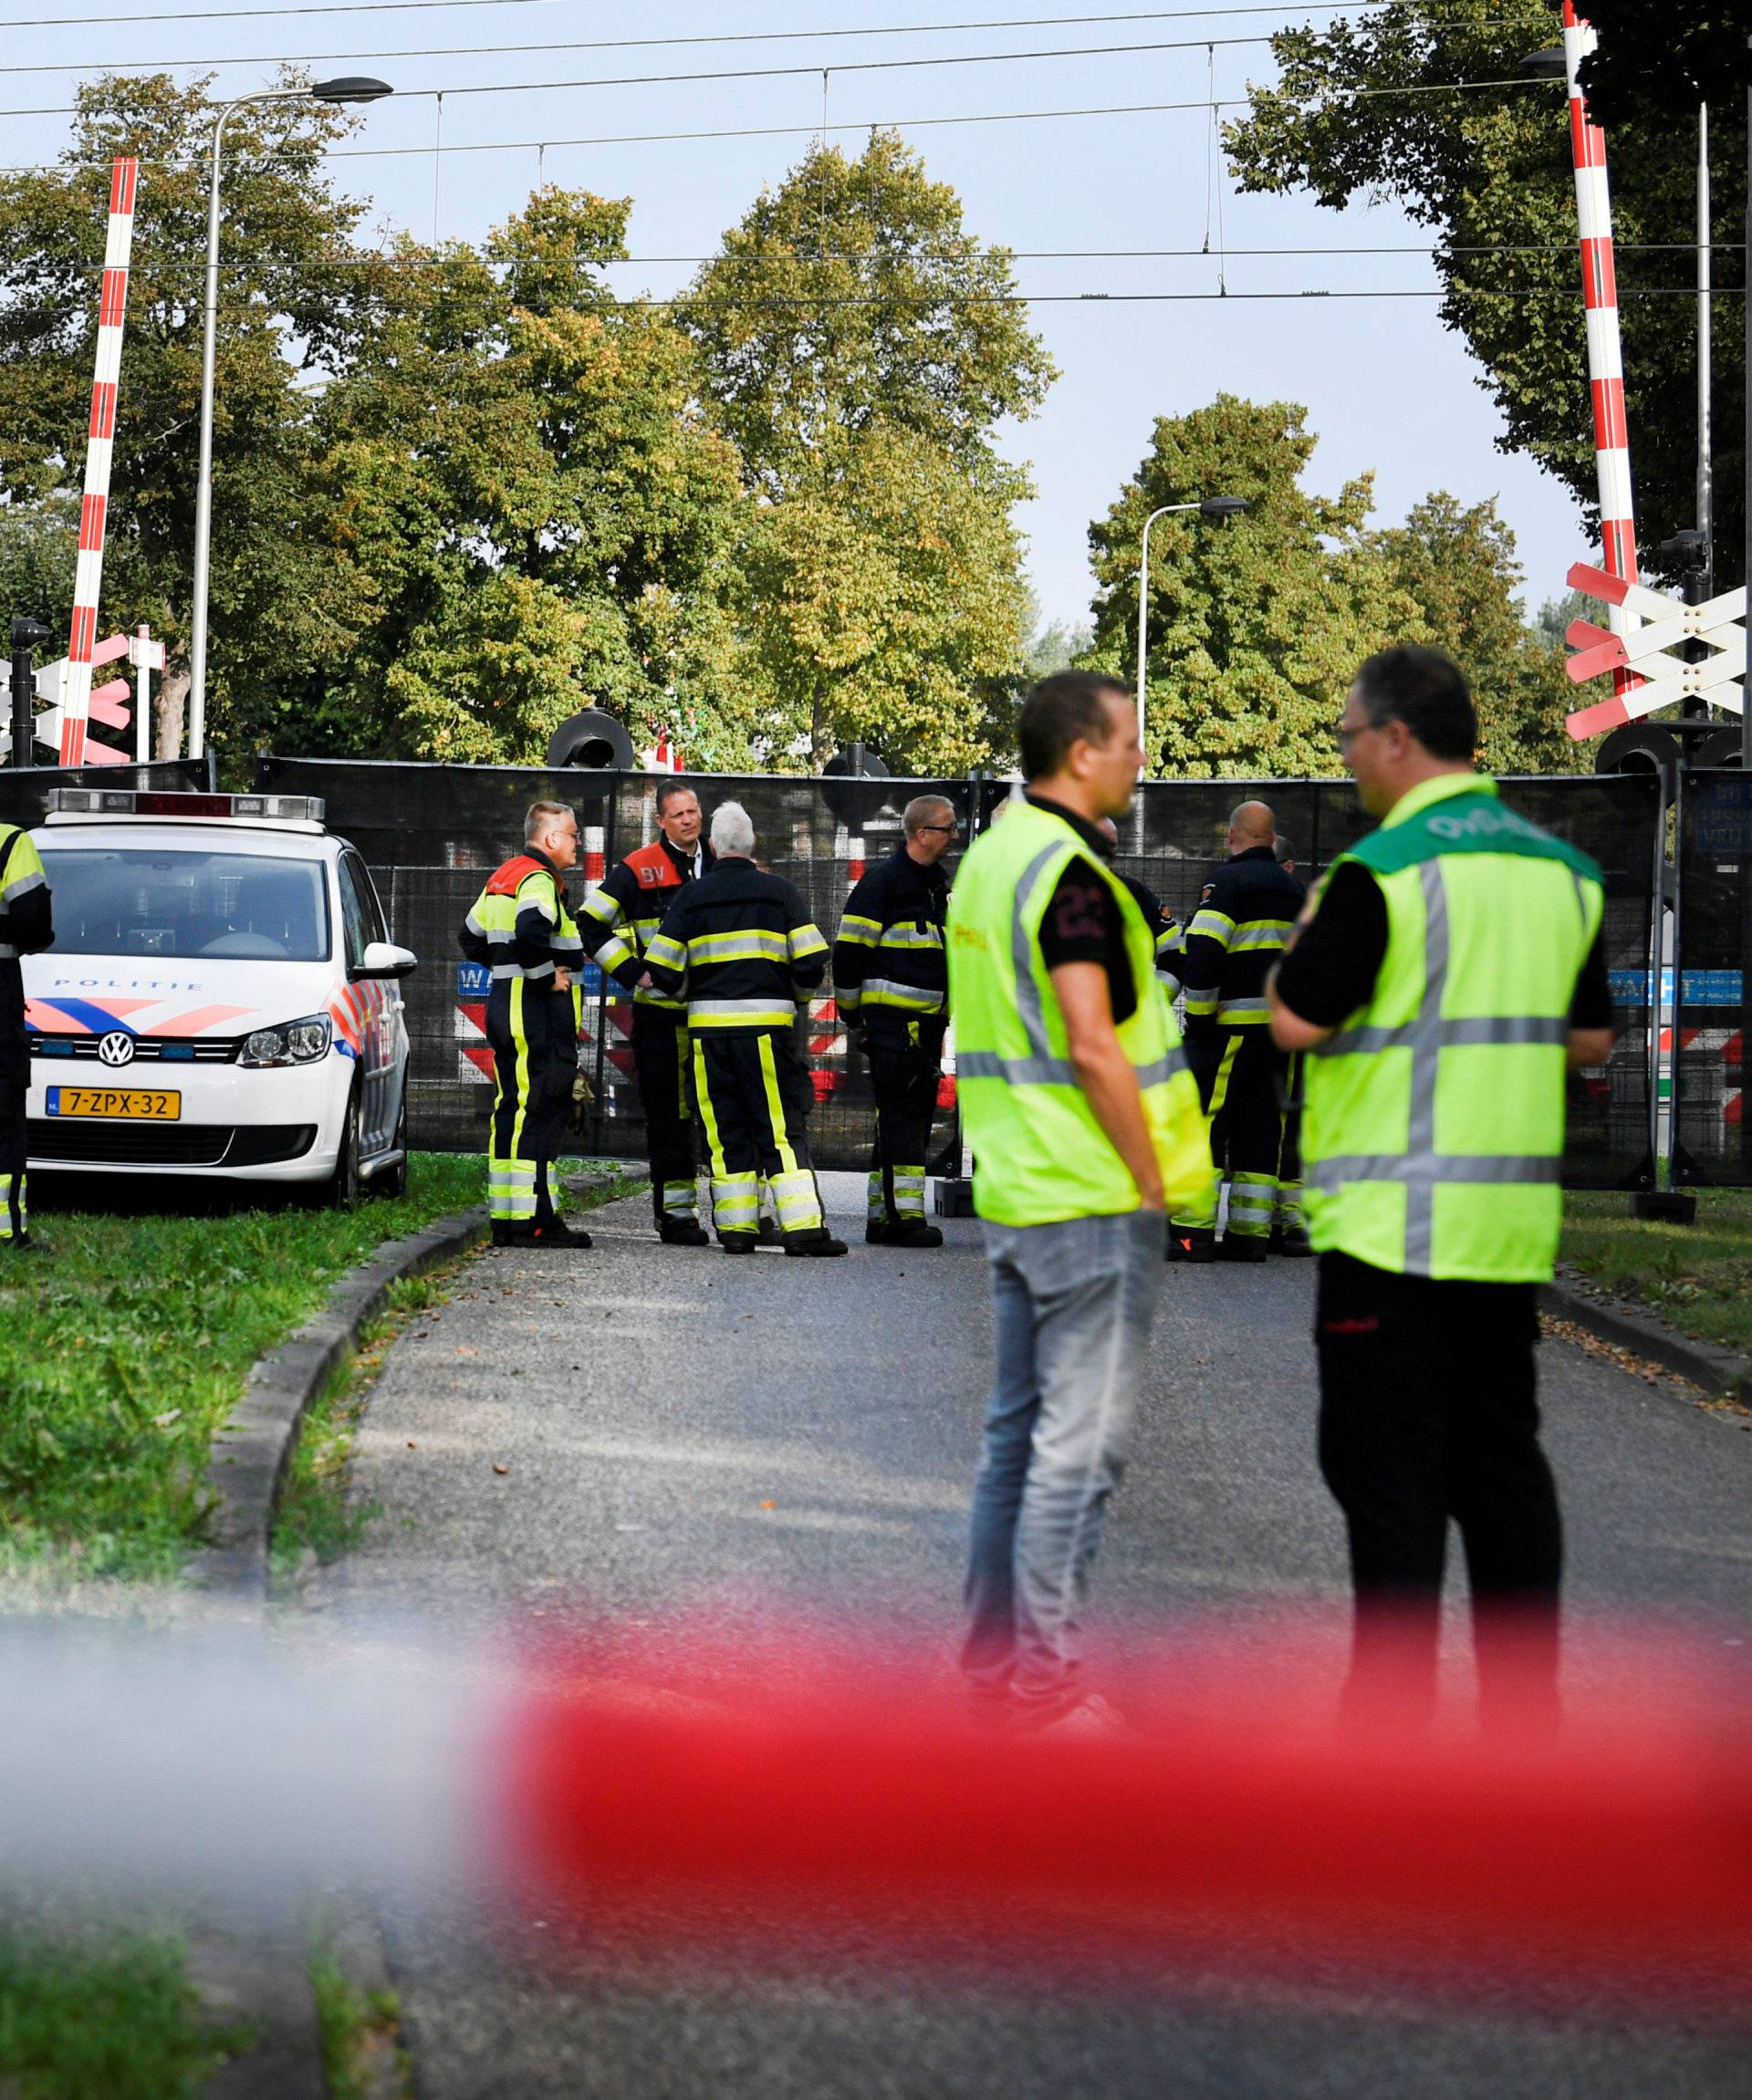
[[155, 801]]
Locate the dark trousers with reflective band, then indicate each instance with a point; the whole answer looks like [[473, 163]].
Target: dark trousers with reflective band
[[1240, 1074], [1289, 1148], [659, 1056], [534, 1035], [15, 1213], [906, 1065], [752, 1093], [1428, 1414]]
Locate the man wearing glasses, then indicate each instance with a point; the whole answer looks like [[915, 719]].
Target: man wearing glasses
[[890, 979], [1443, 980]]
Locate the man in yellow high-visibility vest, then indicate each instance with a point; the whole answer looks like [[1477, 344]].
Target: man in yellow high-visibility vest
[[27, 927], [1443, 978], [1085, 1125]]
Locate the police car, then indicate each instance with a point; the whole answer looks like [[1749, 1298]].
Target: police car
[[221, 999]]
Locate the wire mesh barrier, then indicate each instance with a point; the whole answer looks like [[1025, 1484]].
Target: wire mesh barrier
[[24, 790], [1712, 1141], [432, 833]]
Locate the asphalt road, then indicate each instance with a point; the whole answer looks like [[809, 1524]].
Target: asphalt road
[[770, 1439]]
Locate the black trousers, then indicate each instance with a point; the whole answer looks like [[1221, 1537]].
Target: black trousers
[[1240, 1075], [15, 1087], [534, 1034], [753, 1093], [659, 1056], [1428, 1415], [905, 1066]]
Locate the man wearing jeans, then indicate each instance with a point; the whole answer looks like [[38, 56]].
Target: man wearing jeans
[[1085, 1125]]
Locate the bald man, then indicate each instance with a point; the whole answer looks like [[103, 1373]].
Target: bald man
[[1244, 918]]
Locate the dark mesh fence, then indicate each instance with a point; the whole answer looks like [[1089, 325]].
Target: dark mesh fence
[[432, 833], [24, 790], [1712, 1139]]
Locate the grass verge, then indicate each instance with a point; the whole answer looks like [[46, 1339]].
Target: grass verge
[[1697, 1277], [105, 2016], [125, 1339], [360, 2031], [315, 1515]]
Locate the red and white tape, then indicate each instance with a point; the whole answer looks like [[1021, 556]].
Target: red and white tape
[[112, 307]]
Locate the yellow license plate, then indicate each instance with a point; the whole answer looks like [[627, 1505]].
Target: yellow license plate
[[111, 1101]]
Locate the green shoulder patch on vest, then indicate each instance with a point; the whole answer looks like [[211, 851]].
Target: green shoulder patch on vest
[[1464, 823]]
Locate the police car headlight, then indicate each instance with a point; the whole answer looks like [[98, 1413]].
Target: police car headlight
[[298, 1042]]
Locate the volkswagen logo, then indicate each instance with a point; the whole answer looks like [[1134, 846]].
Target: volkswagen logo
[[117, 1048]]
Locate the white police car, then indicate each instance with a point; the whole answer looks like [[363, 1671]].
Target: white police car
[[221, 999]]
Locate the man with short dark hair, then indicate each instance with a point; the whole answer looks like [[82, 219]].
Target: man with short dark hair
[[1085, 1125], [1442, 979], [621, 920], [521, 929], [892, 991]]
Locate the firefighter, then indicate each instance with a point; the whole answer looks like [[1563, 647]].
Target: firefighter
[[1289, 1230], [1244, 916], [520, 928], [1165, 930], [892, 987], [619, 923], [738, 949], [27, 927]]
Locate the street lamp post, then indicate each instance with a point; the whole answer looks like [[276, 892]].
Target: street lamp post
[[353, 89], [1207, 506]]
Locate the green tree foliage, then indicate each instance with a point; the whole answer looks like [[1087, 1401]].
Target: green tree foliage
[[1664, 61], [1257, 623], [1457, 563], [534, 510], [1372, 107], [297, 296], [860, 346]]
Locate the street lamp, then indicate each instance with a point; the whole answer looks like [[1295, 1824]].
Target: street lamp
[[1209, 506], [354, 88]]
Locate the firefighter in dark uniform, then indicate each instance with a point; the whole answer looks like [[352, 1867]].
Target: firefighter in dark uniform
[[27, 927], [893, 988], [1244, 918], [619, 923], [1289, 1230], [737, 946], [520, 928], [1165, 930]]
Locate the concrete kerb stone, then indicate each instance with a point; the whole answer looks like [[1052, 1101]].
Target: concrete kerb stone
[[251, 1454], [1717, 1370]]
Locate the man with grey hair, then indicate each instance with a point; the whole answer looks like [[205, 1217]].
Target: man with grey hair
[[737, 949], [892, 986]]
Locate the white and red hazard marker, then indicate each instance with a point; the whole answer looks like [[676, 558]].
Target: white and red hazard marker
[[1666, 625], [112, 306], [1605, 366]]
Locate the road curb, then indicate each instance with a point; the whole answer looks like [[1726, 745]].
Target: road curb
[[1568, 1297], [250, 1455]]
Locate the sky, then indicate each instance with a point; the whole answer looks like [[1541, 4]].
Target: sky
[[1388, 391]]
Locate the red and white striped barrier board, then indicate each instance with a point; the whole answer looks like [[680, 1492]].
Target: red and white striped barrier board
[[1605, 365], [1719, 624], [76, 700]]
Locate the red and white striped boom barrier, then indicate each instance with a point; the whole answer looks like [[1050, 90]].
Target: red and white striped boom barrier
[[76, 696], [1605, 366]]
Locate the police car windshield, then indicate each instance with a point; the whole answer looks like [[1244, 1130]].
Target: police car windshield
[[152, 900]]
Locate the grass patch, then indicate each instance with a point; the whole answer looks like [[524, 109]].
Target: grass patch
[[105, 2017], [126, 1339], [360, 2030], [1697, 1277], [315, 1514]]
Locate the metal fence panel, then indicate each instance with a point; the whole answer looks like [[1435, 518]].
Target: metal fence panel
[[430, 833], [1712, 1141]]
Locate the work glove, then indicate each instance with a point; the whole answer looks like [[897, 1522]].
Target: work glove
[[583, 1098]]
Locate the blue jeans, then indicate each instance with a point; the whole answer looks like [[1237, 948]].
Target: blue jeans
[[1074, 1303]]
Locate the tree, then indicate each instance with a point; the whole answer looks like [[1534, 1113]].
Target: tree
[[1458, 565], [296, 299], [1390, 105], [538, 515], [1664, 61], [1255, 624], [859, 346]]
